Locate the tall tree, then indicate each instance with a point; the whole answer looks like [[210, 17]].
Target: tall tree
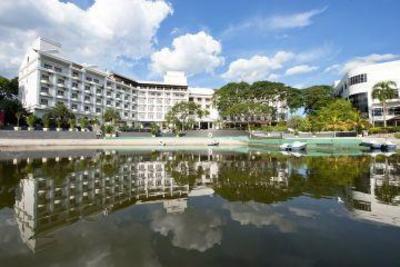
[[111, 115], [316, 97], [384, 91], [60, 114], [183, 114]]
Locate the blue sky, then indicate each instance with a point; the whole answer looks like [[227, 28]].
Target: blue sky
[[300, 43]]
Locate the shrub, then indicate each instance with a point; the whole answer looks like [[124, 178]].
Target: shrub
[[108, 129], [383, 130], [397, 135], [84, 122], [31, 120], [72, 123], [46, 121]]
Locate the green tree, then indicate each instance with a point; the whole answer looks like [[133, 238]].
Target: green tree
[[31, 120], [339, 115], [60, 114], [183, 114], [316, 97], [111, 115], [384, 91]]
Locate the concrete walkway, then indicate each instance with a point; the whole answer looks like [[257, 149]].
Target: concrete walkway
[[7, 144]]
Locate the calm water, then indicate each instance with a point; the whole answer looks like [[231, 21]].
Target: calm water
[[198, 208]]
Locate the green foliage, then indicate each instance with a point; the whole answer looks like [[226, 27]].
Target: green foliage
[[46, 121], [72, 123], [18, 116], [9, 102], [60, 114], [111, 115], [155, 129], [109, 129], [84, 122], [397, 135], [295, 122], [316, 97], [383, 91], [182, 115], [31, 120], [383, 130], [338, 115]]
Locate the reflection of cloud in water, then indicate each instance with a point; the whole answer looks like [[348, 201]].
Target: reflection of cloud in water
[[303, 212], [258, 214], [193, 229]]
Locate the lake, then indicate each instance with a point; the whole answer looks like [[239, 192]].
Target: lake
[[199, 207]]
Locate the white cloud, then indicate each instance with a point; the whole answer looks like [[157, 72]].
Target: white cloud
[[370, 59], [257, 67], [300, 69], [298, 20], [102, 34], [192, 230], [259, 215], [192, 53], [274, 23], [360, 61]]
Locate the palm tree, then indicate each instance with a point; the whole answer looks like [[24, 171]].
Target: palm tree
[[384, 91]]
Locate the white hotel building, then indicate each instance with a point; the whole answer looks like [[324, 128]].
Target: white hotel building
[[46, 77], [356, 85]]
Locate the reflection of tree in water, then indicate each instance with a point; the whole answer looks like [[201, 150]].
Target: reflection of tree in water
[[256, 178], [386, 176]]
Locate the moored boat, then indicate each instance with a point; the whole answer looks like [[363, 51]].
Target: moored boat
[[295, 146]]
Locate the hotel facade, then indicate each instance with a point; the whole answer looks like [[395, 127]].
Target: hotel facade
[[357, 86], [46, 78]]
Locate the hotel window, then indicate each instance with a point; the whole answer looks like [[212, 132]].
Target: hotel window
[[108, 103], [118, 96], [45, 77], [60, 93], [98, 91], [96, 80], [87, 108], [126, 114], [74, 96], [87, 87], [126, 106], [57, 69], [48, 66], [74, 106], [98, 100], [108, 93], [75, 74], [98, 110], [44, 101], [360, 101], [117, 104], [150, 116], [87, 98], [44, 90], [89, 79], [361, 78], [60, 81]]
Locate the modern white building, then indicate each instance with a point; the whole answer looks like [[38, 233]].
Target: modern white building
[[356, 85], [47, 77]]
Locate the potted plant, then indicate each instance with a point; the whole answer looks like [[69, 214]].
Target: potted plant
[[18, 116], [31, 120], [108, 130], [59, 124], [46, 123], [155, 130], [84, 123], [72, 124]]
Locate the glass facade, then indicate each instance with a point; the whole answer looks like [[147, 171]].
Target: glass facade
[[360, 101]]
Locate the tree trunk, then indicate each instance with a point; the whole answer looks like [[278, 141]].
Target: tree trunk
[[384, 114]]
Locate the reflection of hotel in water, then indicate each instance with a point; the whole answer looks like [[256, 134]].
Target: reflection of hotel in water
[[369, 205], [44, 205]]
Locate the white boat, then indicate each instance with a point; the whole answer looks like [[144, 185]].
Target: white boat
[[213, 143], [295, 146], [375, 145], [388, 146]]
